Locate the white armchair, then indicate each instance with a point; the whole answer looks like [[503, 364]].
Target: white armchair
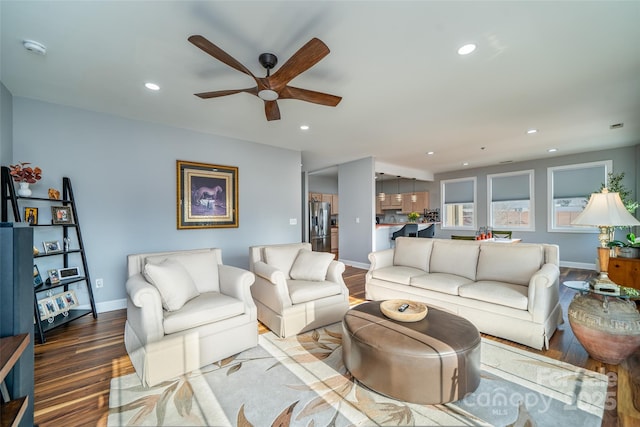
[[185, 309], [297, 290]]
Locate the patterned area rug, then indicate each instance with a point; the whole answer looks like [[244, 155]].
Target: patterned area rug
[[301, 381]]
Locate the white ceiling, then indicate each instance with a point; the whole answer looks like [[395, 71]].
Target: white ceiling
[[569, 69]]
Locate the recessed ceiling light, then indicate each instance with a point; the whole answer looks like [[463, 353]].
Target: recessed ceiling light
[[552, 150], [530, 131], [304, 127], [151, 86], [465, 164], [467, 49], [430, 153]]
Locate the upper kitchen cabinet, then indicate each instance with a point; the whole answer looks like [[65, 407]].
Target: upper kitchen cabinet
[[421, 203], [391, 202], [315, 197], [334, 204]]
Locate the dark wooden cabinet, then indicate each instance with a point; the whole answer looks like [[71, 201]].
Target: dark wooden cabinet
[[625, 271]]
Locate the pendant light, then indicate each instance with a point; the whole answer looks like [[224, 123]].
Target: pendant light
[[414, 197], [398, 195], [381, 195]]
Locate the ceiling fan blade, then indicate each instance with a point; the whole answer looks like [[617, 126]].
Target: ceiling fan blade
[[306, 57], [271, 110], [219, 54], [290, 92], [218, 93]]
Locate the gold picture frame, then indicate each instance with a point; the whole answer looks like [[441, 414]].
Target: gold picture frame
[[207, 195]]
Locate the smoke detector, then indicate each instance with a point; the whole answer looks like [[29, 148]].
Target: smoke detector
[[35, 47]]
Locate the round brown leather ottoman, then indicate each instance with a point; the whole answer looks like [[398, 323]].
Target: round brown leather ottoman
[[433, 361]]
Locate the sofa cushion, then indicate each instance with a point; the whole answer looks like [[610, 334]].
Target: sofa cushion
[[509, 263], [311, 265], [174, 283], [455, 257], [515, 296], [281, 257], [397, 274], [301, 291], [206, 308], [413, 252], [202, 266], [440, 282]]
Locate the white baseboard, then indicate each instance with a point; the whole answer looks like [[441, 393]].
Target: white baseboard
[[580, 265], [105, 306], [355, 264]]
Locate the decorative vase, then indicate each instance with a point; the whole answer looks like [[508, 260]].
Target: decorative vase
[[607, 327], [24, 189]]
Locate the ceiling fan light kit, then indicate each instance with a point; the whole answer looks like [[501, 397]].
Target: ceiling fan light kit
[[276, 86]]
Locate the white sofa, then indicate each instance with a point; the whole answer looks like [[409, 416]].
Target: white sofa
[[185, 310], [506, 290], [297, 290]]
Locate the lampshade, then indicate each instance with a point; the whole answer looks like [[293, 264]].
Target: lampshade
[[605, 209]]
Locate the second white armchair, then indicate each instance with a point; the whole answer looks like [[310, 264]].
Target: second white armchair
[[297, 290]]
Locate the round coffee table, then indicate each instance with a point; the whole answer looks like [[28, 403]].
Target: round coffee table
[[433, 361]]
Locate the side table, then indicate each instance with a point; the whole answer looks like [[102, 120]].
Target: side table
[[608, 327]]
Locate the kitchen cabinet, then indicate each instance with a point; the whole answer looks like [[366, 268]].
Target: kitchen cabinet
[[625, 271], [315, 197], [334, 204], [421, 203], [391, 202]]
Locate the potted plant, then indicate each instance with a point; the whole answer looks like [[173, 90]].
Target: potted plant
[[628, 249], [24, 174], [413, 216]]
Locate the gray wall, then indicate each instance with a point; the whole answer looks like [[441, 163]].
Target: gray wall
[[6, 126], [123, 174], [574, 247], [323, 184], [356, 188]]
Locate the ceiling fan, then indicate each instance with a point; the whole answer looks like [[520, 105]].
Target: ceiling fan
[[273, 87]]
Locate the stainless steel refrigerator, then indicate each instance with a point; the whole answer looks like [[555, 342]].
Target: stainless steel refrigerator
[[319, 228]]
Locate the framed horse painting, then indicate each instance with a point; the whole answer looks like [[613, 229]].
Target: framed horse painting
[[207, 195]]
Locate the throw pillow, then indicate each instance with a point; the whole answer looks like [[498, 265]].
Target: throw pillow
[[174, 283], [281, 257], [311, 266], [201, 266]]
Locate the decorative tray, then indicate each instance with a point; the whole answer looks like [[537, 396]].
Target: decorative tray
[[414, 313]]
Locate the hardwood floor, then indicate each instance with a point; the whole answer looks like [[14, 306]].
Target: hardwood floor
[[74, 367]]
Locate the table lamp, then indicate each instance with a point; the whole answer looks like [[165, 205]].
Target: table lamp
[[605, 210]]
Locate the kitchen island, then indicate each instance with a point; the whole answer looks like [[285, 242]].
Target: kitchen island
[[385, 231]]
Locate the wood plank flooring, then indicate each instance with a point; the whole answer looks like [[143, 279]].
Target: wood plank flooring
[[73, 369]]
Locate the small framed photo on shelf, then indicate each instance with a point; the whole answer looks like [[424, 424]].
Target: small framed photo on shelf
[[51, 246], [70, 299], [61, 215], [54, 277], [61, 304], [42, 310], [49, 307], [37, 279], [31, 215]]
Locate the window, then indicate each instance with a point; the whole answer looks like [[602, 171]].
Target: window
[[459, 203], [569, 189], [510, 200]]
